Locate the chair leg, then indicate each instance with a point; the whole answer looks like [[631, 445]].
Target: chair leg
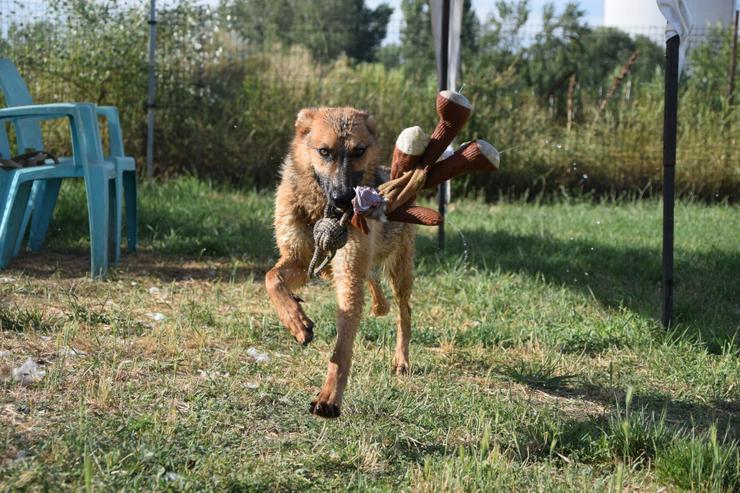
[[98, 206], [43, 199], [16, 202], [129, 188], [115, 192], [37, 190]]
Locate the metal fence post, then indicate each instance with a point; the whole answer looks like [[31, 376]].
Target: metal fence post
[[150, 105], [670, 125], [733, 62], [444, 62]]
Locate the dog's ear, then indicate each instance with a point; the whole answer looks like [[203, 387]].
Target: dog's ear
[[304, 120], [370, 123]]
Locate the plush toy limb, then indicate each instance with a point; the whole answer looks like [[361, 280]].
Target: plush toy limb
[[414, 148], [475, 156], [414, 214], [359, 222], [410, 145], [454, 110], [403, 189]]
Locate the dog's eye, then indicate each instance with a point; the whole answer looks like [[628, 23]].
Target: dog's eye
[[357, 152], [324, 152]]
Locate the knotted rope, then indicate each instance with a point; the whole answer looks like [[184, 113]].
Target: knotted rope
[[329, 235]]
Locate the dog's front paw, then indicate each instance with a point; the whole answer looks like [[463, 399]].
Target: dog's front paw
[[297, 322], [324, 409], [304, 333]]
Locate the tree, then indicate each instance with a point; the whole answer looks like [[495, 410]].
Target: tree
[[417, 42], [555, 54], [389, 55], [500, 42], [328, 28], [606, 49]]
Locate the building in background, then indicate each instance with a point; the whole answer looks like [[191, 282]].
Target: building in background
[[643, 16]]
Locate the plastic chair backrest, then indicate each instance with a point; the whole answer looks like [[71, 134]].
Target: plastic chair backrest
[[28, 131]]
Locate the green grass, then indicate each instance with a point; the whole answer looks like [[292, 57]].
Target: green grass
[[537, 361]]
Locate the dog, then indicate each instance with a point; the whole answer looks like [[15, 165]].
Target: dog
[[333, 151]]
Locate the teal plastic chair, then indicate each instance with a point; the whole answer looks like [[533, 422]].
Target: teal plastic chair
[[86, 162], [44, 193], [126, 176]]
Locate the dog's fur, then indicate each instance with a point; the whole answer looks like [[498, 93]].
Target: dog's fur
[[326, 159]]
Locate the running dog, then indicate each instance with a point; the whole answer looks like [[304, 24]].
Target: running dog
[[333, 151]]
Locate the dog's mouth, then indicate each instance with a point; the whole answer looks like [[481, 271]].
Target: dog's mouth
[[340, 192]]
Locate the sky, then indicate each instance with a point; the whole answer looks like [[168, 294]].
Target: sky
[[593, 8], [594, 12]]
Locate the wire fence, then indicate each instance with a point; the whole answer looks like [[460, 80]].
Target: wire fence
[[573, 107]]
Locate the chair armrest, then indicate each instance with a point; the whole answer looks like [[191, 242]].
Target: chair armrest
[[54, 110], [115, 137], [83, 126]]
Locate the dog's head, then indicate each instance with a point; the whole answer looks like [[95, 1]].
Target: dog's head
[[338, 145]]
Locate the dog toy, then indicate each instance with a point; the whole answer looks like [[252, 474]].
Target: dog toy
[[453, 110], [414, 169], [416, 165], [409, 147], [329, 235]]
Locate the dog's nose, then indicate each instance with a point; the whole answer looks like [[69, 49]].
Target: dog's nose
[[342, 199]]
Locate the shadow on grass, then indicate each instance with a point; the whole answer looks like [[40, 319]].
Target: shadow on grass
[[172, 234], [705, 292], [186, 229], [547, 378], [679, 414], [167, 268]]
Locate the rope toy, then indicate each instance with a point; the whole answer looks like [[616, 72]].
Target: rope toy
[[329, 235]]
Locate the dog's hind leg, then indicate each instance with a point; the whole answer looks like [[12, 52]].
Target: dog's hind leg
[[350, 267], [380, 305], [288, 275], [401, 273]]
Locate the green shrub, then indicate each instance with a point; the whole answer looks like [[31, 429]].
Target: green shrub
[[226, 103]]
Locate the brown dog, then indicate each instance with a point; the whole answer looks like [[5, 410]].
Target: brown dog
[[334, 150]]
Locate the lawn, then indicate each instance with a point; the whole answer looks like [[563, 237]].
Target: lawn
[[537, 361]]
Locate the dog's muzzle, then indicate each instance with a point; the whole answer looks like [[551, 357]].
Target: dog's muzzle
[[342, 199], [340, 190]]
